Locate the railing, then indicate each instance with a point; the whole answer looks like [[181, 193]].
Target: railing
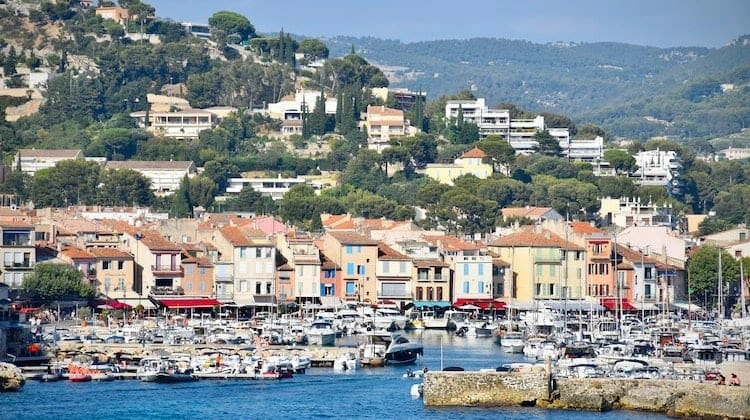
[[18, 265], [173, 269], [165, 290]]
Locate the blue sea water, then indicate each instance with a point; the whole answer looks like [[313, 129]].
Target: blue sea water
[[377, 393]]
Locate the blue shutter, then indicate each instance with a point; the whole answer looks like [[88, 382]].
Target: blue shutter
[[322, 289], [466, 269], [481, 269], [466, 287], [480, 286], [350, 268]]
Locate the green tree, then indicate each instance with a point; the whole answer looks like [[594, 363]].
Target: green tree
[[68, 182], [703, 269], [202, 191], [499, 152], [364, 171], [621, 160], [547, 144], [50, 282], [313, 49], [182, 204], [124, 187], [232, 23]]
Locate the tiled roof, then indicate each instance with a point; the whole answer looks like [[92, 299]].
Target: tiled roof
[[351, 238], [526, 237], [155, 242], [235, 236], [474, 153], [50, 153], [110, 253], [387, 253], [77, 253], [530, 212], [181, 165], [433, 262], [634, 255], [450, 243], [584, 228]]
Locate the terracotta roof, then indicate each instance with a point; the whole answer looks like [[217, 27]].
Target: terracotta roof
[[235, 236], [635, 255], [434, 262], [78, 254], [527, 237], [110, 253], [351, 238], [450, 243], [155, 242], [387, 253], [584, 228], [474, 153], [51, 153], [497, 261], [181, 165], [530, 212], [382, 110], [327, 263]]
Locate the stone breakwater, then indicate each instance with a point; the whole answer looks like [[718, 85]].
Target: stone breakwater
[[11, 377], [534, 388]]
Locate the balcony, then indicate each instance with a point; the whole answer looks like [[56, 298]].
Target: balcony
[[167, 270], [554, 259], [27, 265], [225, 296], [224, 279], [167, 291]]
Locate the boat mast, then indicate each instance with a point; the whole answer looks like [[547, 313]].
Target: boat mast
[[719, 302], [742, 290]]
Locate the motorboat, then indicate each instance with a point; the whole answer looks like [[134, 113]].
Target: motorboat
[[431, 320], [321, 333], [347, 361], [389, 319], [456, 319], [580, 354], [402, 351], [512, 342], [164, 370]]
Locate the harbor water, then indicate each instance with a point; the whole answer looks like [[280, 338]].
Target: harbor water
[[381, 393]]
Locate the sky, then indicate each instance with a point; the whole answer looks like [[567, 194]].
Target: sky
[[659, 23]]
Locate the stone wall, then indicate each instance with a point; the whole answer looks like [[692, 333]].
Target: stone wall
[[675, 398], [671, 397], [485, 388]]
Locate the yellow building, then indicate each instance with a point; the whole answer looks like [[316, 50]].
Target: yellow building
[[543, 265], [469, 163]]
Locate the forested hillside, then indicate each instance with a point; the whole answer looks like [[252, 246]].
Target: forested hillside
[[627, 89]]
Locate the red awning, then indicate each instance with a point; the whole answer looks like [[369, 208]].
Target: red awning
[[611, 304], [29, 310], [482, 303], [189, 303]]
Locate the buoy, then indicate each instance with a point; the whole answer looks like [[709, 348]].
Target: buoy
[[416, 390]]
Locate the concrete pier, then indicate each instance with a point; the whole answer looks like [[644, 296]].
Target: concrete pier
[[534, 388]]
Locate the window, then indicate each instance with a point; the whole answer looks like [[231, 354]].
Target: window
[[430, 295], [466, 287], [439, 293], [202, 286], [552, 271], [327, 290], [189, 269], [243, 252], [419, 293], [106, 264], [203, 271], [361, 269], [422, 274], [466, 269], [350, 268], [579, 255], [480, 286], [190, 285], [120, 265], [386, 267], [268, 252], [258, 287], [349, 249], [538, 270], [243, 285], [438, 273], [499, 289], [480, 269], [402, 266], [648, 273], [258, 252], [269, 288], [359, 249], [350, 288]]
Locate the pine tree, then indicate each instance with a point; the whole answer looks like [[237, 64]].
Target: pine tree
[[419, 112], [305, 122], [182, 206]]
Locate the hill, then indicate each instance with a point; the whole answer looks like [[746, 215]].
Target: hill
[[630, 90]]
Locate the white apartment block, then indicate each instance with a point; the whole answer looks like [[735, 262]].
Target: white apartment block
[[732, 153], [290, 108], [269, 187], [625, 211], [657, 168], [165, 176], [519, 133], [31, 160]]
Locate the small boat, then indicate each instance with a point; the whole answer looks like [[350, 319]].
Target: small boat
[[512, 342], [402, 351], [163, 371], [321, 333], [346, 362], [78, 373]]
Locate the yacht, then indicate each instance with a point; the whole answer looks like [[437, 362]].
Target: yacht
[[457, 319], [512, 342], [431, 320], [393, 348], [321, 333]]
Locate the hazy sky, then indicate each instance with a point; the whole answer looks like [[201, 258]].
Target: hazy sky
[[661, 23]]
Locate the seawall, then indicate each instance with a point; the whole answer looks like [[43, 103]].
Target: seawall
[[534, 388]]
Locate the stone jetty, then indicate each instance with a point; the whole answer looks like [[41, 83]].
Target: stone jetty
[[680, 398], [11, 377]]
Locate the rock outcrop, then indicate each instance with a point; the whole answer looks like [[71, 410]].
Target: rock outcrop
[[11, 377]]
